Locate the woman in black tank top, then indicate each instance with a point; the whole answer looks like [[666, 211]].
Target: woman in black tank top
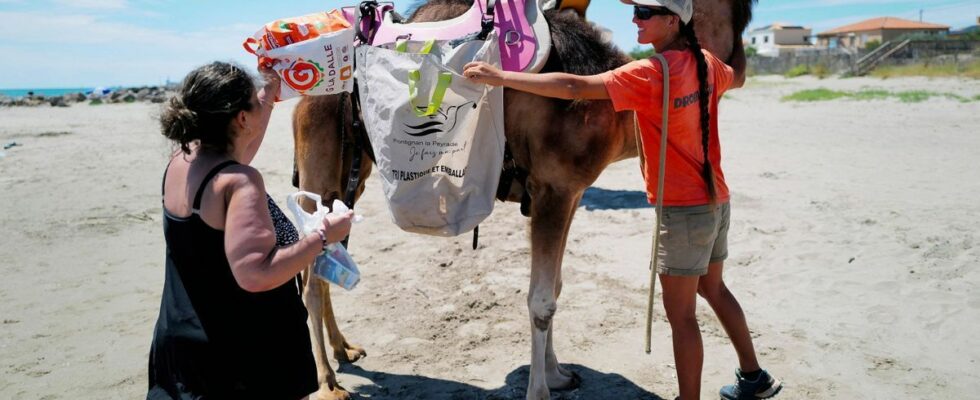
[[232, 324]]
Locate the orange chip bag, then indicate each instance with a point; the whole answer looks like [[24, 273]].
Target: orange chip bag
[[314, 53]]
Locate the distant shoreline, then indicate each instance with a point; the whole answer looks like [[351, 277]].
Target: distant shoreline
[[62, 97], [46, 92]]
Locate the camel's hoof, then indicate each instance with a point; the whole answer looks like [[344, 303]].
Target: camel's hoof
[[325, 393], [571, 381], [350, 354]]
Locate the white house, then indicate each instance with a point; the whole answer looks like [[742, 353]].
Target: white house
[[768, 40]]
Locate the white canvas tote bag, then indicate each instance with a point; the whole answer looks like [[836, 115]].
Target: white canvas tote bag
[[438, 137]]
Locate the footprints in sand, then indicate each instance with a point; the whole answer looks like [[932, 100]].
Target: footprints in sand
[[31, 369]]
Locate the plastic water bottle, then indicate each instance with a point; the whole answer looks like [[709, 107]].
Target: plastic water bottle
[[334, 264]]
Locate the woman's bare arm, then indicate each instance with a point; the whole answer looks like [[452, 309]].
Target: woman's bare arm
[[557, 85], [250, 238]]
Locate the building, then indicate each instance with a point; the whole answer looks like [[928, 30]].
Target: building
[[769, 40], [881, 30]]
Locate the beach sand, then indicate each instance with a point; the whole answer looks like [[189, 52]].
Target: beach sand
[[854, 251]]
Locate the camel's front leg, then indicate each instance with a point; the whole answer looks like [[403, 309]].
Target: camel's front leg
[[557, 376], [314, 296], [550, 218]]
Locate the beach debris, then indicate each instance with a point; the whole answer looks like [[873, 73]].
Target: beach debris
[[10, 145], [58, 102]]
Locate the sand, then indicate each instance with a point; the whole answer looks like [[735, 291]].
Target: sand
[[854, 250]]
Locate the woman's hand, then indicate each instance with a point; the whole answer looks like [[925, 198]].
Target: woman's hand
[[481, 72], [273, 83], [337, 227]]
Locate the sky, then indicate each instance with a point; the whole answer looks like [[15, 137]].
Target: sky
[[87, 43]]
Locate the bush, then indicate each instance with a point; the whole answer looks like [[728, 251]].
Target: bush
[[872, 45], [751, 51], [820, 71], [798, 70], [639, 53]]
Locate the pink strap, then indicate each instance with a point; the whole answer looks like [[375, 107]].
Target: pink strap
[[518, 42]]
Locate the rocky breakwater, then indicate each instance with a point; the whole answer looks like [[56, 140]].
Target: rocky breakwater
[[150, 94]]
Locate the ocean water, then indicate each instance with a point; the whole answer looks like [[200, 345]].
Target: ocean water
[[18, 93]]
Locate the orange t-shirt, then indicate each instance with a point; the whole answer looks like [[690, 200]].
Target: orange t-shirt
[[638, 86]]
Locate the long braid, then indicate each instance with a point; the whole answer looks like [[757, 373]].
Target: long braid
[[704, 100]]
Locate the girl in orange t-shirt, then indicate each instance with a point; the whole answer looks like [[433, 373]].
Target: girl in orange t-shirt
[[694, 232]]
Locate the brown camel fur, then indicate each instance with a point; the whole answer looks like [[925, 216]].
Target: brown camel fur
[[564, 146]]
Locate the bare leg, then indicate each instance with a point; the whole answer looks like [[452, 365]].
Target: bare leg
[[313, 297], [729, 312], [342, 351], [680, 304], [552, 211]]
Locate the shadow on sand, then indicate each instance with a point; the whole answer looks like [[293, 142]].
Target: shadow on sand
[[604, 199], [595, 385]]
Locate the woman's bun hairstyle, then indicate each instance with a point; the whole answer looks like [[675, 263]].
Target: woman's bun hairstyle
[[208, 99]]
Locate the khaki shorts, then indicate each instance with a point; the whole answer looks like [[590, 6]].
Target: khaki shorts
[[691, 238]]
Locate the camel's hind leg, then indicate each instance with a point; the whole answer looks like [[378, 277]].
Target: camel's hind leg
[[552, 212]]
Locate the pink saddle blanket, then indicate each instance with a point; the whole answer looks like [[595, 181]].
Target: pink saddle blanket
[[524, 37]]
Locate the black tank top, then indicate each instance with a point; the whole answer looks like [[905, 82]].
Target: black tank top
[[214, 340]]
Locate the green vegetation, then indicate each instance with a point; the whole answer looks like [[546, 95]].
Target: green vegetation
[[966, 70], [819, 71], [751, 51], [909, 96], [871, 94], [639, 53], [914, 96], [821, 94], [798, 70], [872, 44]]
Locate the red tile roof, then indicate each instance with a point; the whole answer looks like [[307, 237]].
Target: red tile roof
[[884, 23]]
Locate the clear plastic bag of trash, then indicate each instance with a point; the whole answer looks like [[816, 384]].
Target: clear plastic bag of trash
[[334, 264]]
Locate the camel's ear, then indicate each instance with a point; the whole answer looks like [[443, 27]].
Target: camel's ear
[[577, 6]]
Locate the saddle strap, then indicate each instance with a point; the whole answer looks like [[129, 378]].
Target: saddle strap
[[367, 10], [488, 20], [510, 173]]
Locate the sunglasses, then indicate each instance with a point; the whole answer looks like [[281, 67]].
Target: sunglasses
[[644, 13]]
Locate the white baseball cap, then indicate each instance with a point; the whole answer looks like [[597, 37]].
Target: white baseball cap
[[683, 8]]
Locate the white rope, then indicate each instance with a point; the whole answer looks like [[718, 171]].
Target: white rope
[[660, 194]]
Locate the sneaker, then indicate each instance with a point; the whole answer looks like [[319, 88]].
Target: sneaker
[[764, 387]]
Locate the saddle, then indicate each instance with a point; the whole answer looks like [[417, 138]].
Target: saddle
[[525, 38]]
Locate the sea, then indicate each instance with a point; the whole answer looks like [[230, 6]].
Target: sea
[[18, 93]]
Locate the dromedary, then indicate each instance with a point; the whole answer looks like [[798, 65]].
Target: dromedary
[[563, 146]]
